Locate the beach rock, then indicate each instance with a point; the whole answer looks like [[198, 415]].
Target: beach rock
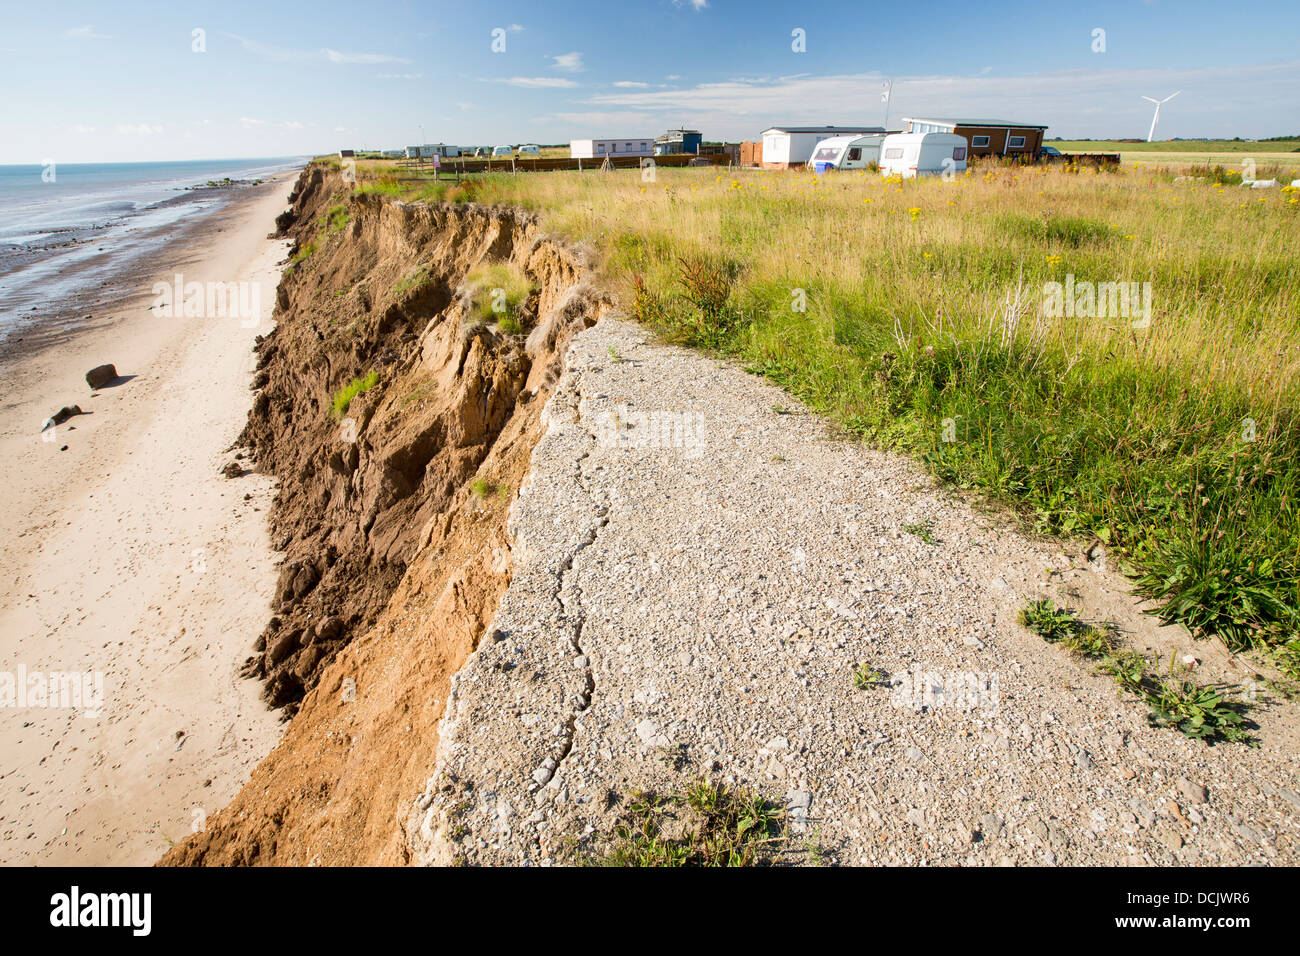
[[100, 375], [233, 470], [62, 415]]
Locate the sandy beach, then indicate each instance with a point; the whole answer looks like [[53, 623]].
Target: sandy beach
[[130, 559]]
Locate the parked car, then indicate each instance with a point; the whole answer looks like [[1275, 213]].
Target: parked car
[[1048, 151], [922, 154]]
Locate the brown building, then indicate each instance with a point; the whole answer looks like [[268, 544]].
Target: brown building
[[986, 137]]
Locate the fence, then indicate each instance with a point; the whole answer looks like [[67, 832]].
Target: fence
[[463, 165]]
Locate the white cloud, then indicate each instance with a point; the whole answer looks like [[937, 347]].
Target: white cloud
[[515, 28], [138, 129], [620, 123], [249, 123], [399, 76], [539, 82], [568, 62], [334, 56], [83, 128], [285, 55], [632, 85], [86, 32], [1070, 102], [696, 5]]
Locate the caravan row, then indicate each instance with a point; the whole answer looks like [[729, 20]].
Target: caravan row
[[896, 154]]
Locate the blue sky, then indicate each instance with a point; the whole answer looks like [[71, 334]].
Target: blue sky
[[117, 81]]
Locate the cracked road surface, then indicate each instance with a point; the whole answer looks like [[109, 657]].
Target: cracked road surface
[[700, 567]]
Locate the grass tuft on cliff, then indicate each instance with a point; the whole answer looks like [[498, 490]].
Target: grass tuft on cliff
[[499, 291], [342, 399]]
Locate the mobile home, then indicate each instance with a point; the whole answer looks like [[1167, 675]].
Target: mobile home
[[846, 152], [787, 147], [922, 154], [678, 141], [600, 148], [985, 137], [430, 150]]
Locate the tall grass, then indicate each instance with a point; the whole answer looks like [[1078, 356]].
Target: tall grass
[[911, 313], [499, 291]]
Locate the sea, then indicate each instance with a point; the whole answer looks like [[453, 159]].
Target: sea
[[69, 228]]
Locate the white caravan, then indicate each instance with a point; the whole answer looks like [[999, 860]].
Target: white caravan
[[922, 154], [846, 152]]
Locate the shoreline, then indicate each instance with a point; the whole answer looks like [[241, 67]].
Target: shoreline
[[132, 560], [79, 302]]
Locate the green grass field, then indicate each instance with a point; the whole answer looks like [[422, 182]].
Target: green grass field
[[918, 316], [1198, 146], [1175, 154]]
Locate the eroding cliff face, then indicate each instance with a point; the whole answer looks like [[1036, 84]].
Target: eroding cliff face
[[391, 512]]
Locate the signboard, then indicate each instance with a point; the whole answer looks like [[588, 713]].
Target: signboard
[[437, 161]]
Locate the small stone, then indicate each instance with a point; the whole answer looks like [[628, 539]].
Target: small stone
[[648, 731], [797, 803], [542, 775], [1169, 837], [1193, 792]]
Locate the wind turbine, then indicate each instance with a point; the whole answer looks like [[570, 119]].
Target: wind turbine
[[1158, 103]]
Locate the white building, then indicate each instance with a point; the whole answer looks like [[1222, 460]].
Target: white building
[[788, 146], [600, 148], [431, 150]]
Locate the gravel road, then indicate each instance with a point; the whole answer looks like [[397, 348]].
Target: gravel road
[[700, 566]]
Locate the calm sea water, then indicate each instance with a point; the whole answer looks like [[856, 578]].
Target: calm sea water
[[79, 227], [36, 201]]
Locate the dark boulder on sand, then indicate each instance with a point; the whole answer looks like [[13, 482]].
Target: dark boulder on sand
[[100, 375], [62, 415]]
